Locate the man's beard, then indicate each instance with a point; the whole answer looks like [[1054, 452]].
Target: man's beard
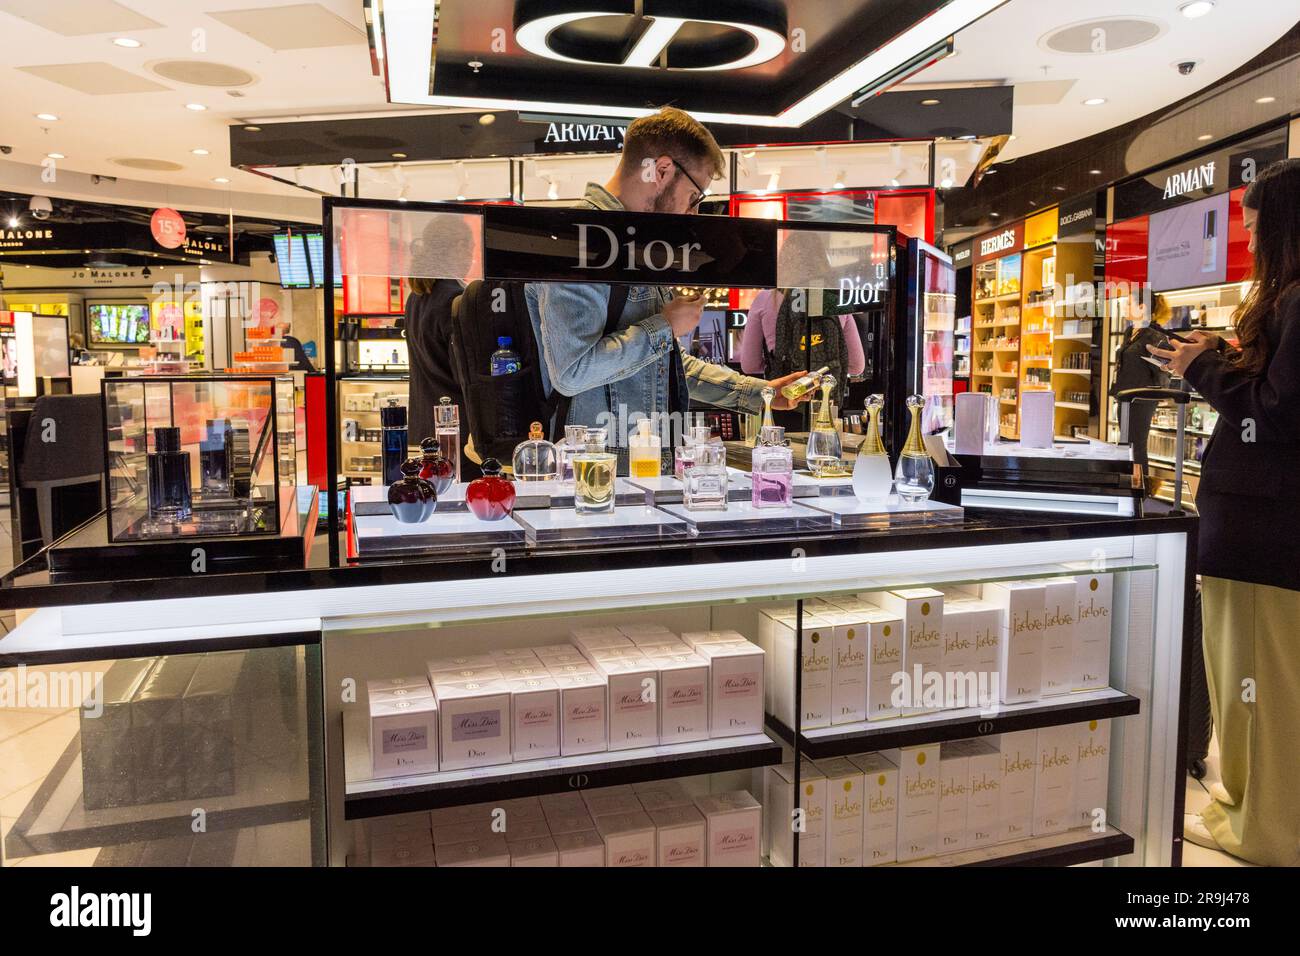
[[661, 203]]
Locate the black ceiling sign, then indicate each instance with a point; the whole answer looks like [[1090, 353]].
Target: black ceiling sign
[[578, 245], [1077, 216], [59, 244]]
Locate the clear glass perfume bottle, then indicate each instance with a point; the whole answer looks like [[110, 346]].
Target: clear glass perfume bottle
[[825, 454], [593, 475], [535, 459], [446, 428], [872, 476], [705, 483], [804, 384], [684, 455], [772, 469], [643, 451], [914, 477], [575, 437], [168, 467]]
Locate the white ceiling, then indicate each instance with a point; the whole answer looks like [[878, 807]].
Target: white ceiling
[[310, 60]]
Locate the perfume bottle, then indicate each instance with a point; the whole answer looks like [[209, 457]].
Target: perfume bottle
[[412, 499], [392, 420], [1210, 241], [772, 470], [684, 454], [643, 451], [169, 476], [593, 475], [705, 484], [491, 497], [825, 454], [804, 384], [433, 467], [872, 476], [575, 437], [535, 459], [446, 426], [914, 477], [214, 458]]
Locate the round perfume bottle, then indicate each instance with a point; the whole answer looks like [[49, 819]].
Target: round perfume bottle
[[434, 468], [491, 497], [535, 459], [872, 476], [825, 453], [411, 499], [914, 477]]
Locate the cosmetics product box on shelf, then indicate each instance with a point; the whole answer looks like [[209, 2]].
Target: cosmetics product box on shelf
[[983, 622], [474, 720], [1022, 605], [1059, 609], [885, 658], [683, 698], [534, 717], [844, 811], [1019, 759], [608, 801], [848, 678], [633, 702], [954, 797], [1055, 800], [1093, 772], [661, 794], [958, 634], [735, 686], [583, 848], [584, 720], [734, 826], [629, 838], [984, 791], [679, 836], [1092, 622], [490, 850], [779, 803], [922, 612], [403, 733], [918, 800], [880, 816], [538, 851], [778, 636]]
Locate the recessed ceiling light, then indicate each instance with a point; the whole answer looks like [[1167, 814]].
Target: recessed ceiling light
[[1266, 99], [1094, 101], [129, 42], [199, 152], [220, 179], [460, 199], [1059, 189], [487, 119], [1196, 9], [48, 117], [399, 156], [930, 102], [253, 129], [1204, 137], [945, 183], [1094, 172], [996, 215], [54, 156], [13, 222], [196, 107]]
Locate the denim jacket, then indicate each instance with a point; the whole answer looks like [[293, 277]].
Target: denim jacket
[[615, 379]]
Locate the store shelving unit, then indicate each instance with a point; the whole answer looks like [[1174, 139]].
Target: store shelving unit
[[995, 349]]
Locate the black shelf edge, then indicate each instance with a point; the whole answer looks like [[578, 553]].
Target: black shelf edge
[[899, 733], [1102, 847], [613, 771]]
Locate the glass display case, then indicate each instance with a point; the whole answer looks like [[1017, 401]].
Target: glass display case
[[190, 457]]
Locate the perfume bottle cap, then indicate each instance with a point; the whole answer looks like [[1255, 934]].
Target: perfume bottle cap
[[772, 435], [701, 434], [430, 447], [535, 431], [491, 468], [166, 438], [410, 467], [643, 427], [392, 415]]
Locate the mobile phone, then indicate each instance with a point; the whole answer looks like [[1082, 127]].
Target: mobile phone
[[1177, 338]]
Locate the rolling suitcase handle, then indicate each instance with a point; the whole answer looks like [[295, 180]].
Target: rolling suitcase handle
[[1179, 397]]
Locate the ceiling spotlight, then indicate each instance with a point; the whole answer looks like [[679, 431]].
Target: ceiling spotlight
[[1094, 101], [129, 42], [930, 102], [54, 156], [1094, 172], [220, 179], [946, 182], [196, 107], [552, 190], [1266, 99], [399, 156], [252, 129], [1196, 9], [199, 152], [51, 118], [13, 222], [1205, 137], [487, 119], [996, 215], [460, 199]]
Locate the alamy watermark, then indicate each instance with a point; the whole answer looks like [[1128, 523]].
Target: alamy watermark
[[45, 688]]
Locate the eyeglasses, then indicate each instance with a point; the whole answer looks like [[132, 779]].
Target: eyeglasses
[[699, 190]]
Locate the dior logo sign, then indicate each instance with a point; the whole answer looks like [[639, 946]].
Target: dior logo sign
[[599, 248]]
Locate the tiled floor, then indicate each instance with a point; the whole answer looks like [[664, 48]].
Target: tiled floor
[[6, 558]]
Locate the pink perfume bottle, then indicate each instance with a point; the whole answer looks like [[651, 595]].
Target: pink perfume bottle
[[772, 470]]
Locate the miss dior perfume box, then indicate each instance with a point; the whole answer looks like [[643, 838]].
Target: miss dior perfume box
[[679, 836], [734, 822], [403, 736], [735, 688], [487, 851], [583, 848], [662, 794], [633, 704], [534, 718], [584, 721], [683, 698], [474, 723], [629, 838], [537, 851]]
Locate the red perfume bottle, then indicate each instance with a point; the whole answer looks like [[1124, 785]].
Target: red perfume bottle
[[411, 499], [491, 497], [434, 468]]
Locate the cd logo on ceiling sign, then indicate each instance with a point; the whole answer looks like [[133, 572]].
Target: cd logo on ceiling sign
[[657, 35]]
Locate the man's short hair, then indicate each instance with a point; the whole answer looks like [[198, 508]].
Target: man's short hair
[[673, 132]]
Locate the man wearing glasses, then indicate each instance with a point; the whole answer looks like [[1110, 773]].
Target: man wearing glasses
[[637, 370]]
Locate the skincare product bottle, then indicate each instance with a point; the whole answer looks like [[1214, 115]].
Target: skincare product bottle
[[772, 470], [446, 426], [644, 449], [412, 499], [491, 497], [392, 419], [872, 476], [825, 454], [914, 477], [804, 384], [593, 475], [1210, 242], [169, 476], [535, 459], [706, 480]]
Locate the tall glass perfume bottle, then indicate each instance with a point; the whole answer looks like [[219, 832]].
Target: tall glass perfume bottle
[[684, 455], [575, 438], [169, 476], [825, 454], [772, 471], [535, 459], [872, 476], [643, 451], [914, 477], [433, 467], [446, 427], [705, 485], [593, 475], [804, 384], [392, 422], [214, 458]]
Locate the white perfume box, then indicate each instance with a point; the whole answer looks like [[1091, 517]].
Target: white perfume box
[[607, 801], [395, 839], [535, 669], [679, 836], [628, 651], [555, 659], [1019, 757], [403, 736], [634, 631], [960, 675], [1055, 778], [539, 851], [969, 427], [880, 816], [1092, 749], [519, 808], [849, 647], [1037, 415], [513, 656], [1059, 609], [459, 661], [733, 827], [488, 851], [954, 798], [569, 821], [778, 784], [584, 721], [560, 803], [918, 800], [464, 813], [984, 621], [480, 828], [735, 688], [885, 659], [922, 612], [1021, 604], [779, 630], [566, 670], [629, 838], [584, 848], [593, 637], [535, 718], [520, 830], [461, 675], [552, 649], [769, 618], [984, 789], [395, 688], [403, 855], [633, 703], [662, 794], [474, 722], [667, 649], [845, 811], [1092, 622], [696, 638], [683, 698]]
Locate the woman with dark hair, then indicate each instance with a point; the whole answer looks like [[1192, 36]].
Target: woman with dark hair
[[1249, 541]]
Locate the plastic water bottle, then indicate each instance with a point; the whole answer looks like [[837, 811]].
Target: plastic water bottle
[[505, 360]]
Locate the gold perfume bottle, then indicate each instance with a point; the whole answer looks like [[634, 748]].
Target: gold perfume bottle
[[825, 454], [914, 477], [804, 384]]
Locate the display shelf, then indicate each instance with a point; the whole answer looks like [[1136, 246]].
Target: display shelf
[[1005, 297], [863, 736], [1188, 465], [1076, 405], [1086, 372], [1058, 849], [1080, 337], [366, 797], [1173, 430]]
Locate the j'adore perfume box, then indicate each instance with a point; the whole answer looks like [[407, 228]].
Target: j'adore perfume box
[[778, 633], [779, 800], [984, 623], [849, 649], [984, 792], [845, 811], [885, 654], [474, 724], [1054, 784], [922, 612], [960, 672], [880, 822], [1022, 605], [1092, 758], [1019, 759], [733, 828], [918, 800], [1094, 595], [1059, 609], [954, 797]]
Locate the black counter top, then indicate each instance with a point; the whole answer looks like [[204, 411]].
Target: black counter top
[[28, 585]]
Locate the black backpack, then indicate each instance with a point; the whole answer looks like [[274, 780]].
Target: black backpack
[[828, 346], [500, 408]]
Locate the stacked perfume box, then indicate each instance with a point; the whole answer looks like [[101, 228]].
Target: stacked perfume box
[[887, 654], [166, 731], [648, 824], [909, 804], [613, 688]]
